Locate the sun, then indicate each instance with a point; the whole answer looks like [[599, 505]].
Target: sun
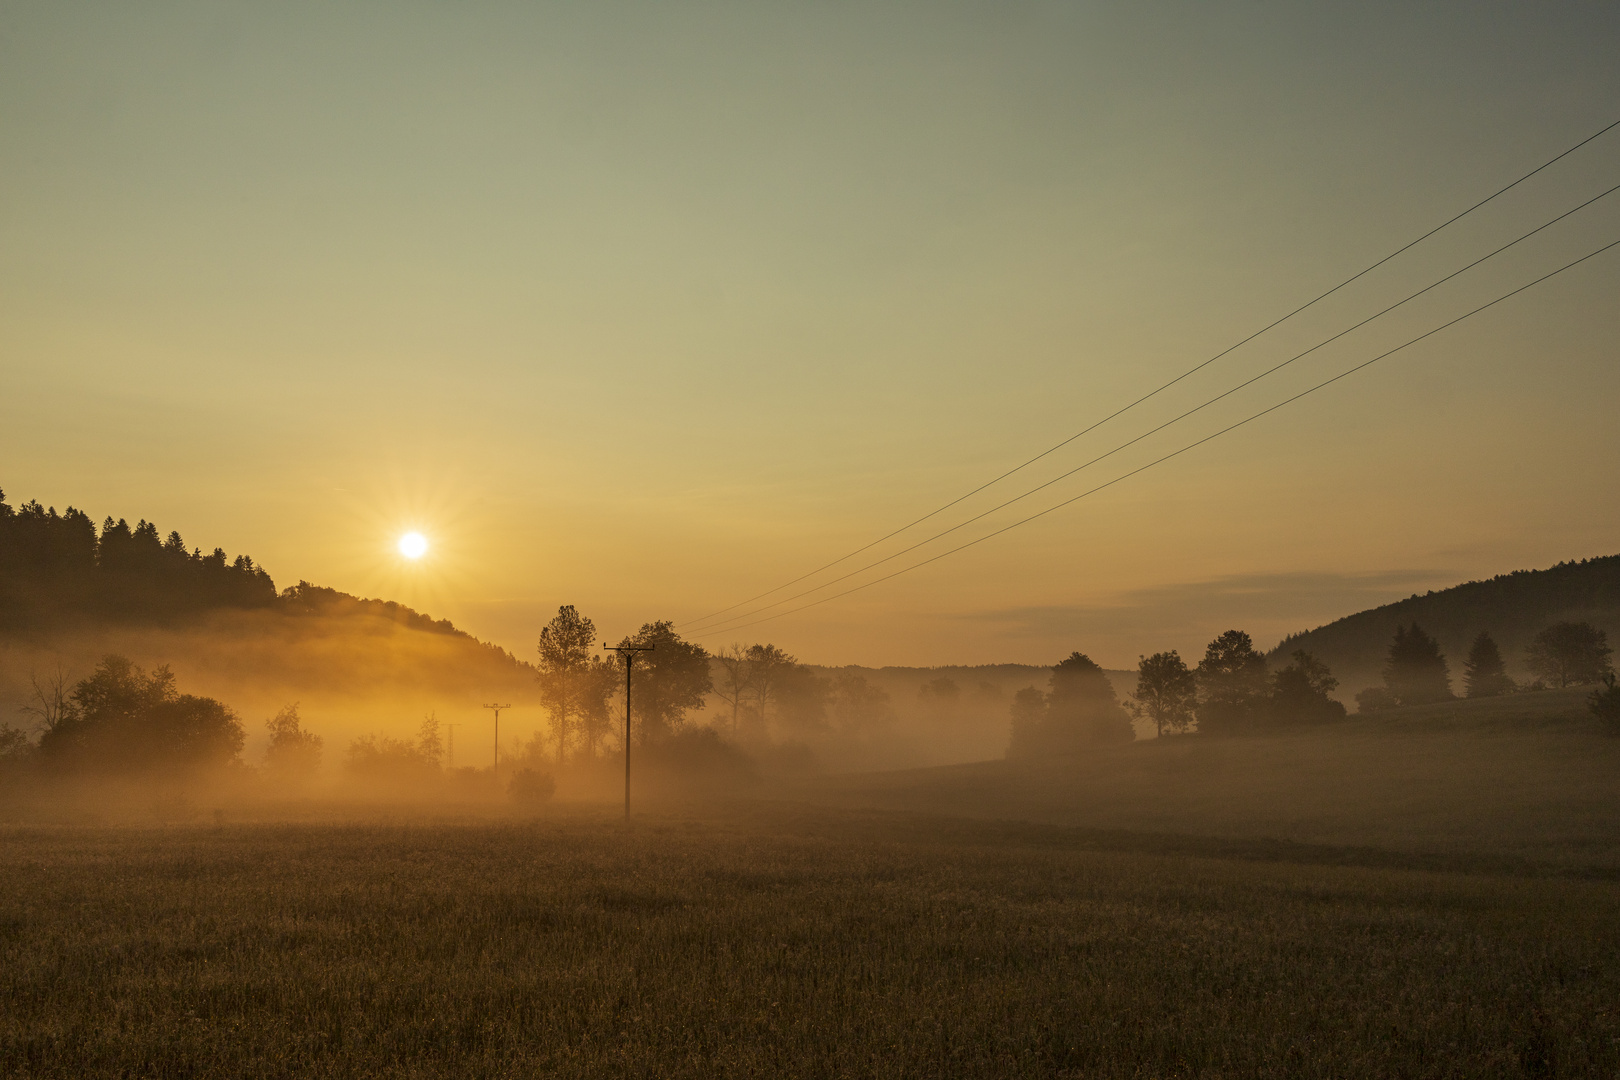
[[413, 545]]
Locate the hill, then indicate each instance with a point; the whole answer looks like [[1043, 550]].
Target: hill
[[1512, 607], [70, 593]]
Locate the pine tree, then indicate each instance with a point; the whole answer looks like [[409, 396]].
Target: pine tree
[[1416, 672], [1484, 675]]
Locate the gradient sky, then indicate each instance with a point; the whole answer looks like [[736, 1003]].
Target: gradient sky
[[650, 307]]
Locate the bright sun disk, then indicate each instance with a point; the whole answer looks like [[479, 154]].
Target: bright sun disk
[[413, 545]]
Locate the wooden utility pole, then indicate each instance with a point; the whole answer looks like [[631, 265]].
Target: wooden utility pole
[[495, 772], [628, 652]]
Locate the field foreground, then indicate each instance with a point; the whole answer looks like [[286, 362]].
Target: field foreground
[[770, 940]]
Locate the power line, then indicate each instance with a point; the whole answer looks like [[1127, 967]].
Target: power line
[[1173, 454], [1177, 419], [1152, 393]]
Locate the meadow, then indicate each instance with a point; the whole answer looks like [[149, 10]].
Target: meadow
[[1429, 892], [769, 939], [1526, 781]]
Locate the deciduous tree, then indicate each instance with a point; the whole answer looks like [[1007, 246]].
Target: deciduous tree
[[1233, 686], [857, 706], [736, 683], [1078, 712], [669, 682], [1300, 692], [1570, 654], [567, 647], [293, 754], [766, 665], [122, 719], [1166, 692]]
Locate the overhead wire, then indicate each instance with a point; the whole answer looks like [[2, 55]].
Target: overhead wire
[[1177, 419], [1167, 457], [1160, 389]]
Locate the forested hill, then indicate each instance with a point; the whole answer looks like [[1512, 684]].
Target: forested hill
[[58, 571], [1512, 607], [72, 593]]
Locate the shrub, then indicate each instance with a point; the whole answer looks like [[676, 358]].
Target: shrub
[[1605, 704]]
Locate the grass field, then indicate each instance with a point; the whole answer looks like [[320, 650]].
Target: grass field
[[1525, 779], [1428, 893], [769, 941]]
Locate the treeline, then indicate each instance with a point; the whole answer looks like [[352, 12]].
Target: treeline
[[54, 565], [1233, 691], [1515, 607], [1230, 692], [1416, 671], [763, 690], [58, 567]]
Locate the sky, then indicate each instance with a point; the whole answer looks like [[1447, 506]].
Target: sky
[[650, 308]]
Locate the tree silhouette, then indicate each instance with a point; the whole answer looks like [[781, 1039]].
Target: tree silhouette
[[1570, 653], [801, 698], [568, 685], [1078, 712], [858, 706], [736, 683], [123, 720], [1484, 674], [1416, 672], [384, 758], [766, 665], [1300, 692], [1028, 715], [294, 754], [1233, 686], [941, 697], [1605, 704], [669, 681], [1166, 692], [55, 567]]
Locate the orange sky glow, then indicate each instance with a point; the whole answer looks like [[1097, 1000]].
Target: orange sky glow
[[651, 308]]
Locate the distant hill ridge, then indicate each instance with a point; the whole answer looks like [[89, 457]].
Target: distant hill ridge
[[58, 569], [1511, 607]]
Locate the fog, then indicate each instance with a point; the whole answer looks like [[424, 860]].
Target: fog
[[397, 717]]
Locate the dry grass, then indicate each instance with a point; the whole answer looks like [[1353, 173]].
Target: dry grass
[[774, 942]]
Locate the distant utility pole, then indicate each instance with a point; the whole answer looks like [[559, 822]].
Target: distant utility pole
[[451, 728], [628, 652], [495, 773]]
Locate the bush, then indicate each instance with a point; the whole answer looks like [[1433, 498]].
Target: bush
[[1605, 704], [1375, 699], [530, 788]]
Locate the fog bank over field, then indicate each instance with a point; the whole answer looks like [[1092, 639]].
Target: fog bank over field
[[350, 675]]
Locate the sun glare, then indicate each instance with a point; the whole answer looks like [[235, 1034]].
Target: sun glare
[[413, 545]]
